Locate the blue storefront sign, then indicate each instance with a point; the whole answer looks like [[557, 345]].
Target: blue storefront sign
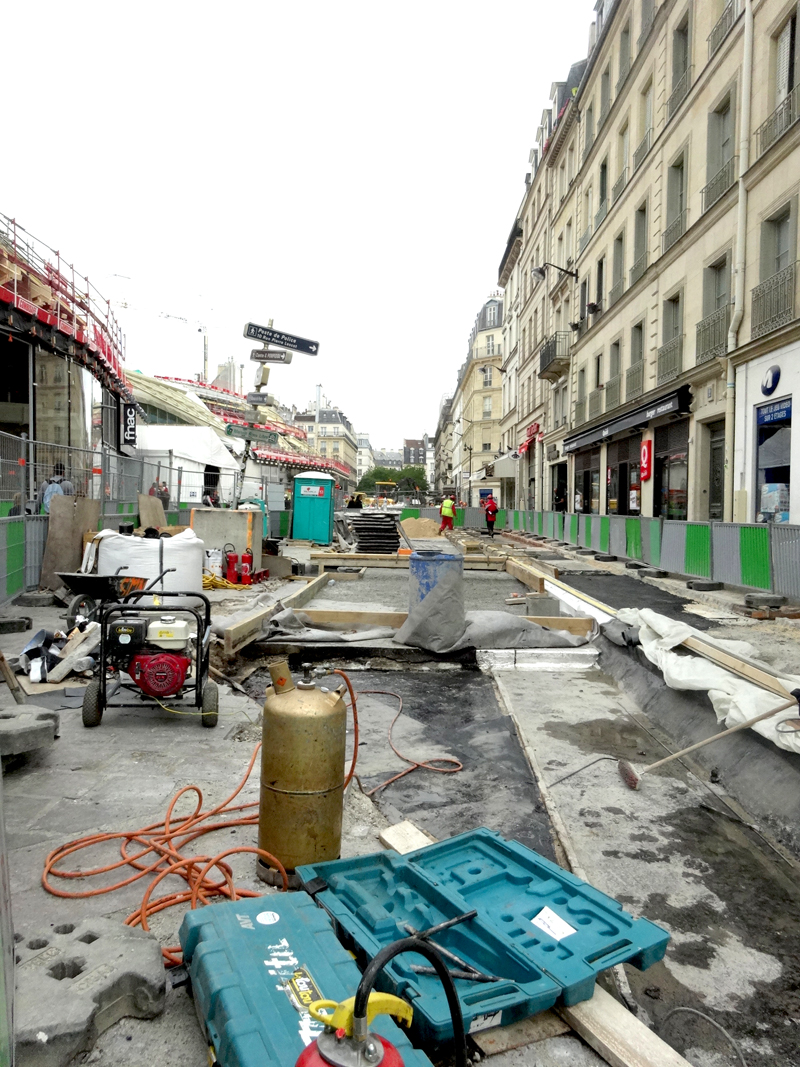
[[780, 411]]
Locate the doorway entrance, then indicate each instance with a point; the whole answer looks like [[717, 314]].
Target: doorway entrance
[[716, 470]]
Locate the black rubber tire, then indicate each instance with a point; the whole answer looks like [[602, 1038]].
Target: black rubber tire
[[210, 711], [81, 605], [92, 711]]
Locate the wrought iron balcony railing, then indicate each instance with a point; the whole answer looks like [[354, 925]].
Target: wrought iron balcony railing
[[584, 238], [673, 232], [648, 18], [580, 412], [613, 390], [784, 116], [719, 184], [773, 302], [616, 291], [595, 403], [678, 94], [619, 185], [670, 360], [601, 213], [638, 269], [712, 335], [554, 355], [624, 71], [642, 150], [634, 380], [723, 27]]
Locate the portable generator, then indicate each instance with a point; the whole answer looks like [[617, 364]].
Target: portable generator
[[156, 652]]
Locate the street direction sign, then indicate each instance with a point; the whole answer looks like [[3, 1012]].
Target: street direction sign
[[283, 340], [264, 355], [250, 433], [257, 399]]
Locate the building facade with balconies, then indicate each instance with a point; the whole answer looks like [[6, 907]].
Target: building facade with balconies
[[475, 410], [664, 201]]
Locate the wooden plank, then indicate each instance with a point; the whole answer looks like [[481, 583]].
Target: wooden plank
[[66, 664], [305, 592], [745, 668], [357, 618], [523, 573], [33, 689], [249, 628], [329, 559], [151, 510], [525, 1032], [617, 1035], [572, 624], [404, 837]]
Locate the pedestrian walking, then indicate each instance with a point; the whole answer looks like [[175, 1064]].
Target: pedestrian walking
[[163, 494], [447, 509], [491, 510]]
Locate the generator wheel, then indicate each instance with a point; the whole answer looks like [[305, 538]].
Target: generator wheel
[[210, 712], [81, 605], [92, 710]]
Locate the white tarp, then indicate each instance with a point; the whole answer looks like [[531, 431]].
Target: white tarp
[[197, 444], [734, 699], [505, 467]]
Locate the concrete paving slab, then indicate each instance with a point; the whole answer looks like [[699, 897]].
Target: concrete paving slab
[[76, 979], [27, 728]]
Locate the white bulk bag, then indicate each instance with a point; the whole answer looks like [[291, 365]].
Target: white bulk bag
[[147, 557]]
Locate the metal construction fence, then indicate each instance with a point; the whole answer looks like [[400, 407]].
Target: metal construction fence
[[748, 555]]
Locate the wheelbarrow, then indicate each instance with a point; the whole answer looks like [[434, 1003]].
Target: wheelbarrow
[[93, 590]]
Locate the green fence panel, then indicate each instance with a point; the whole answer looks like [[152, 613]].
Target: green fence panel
[[698, 549], [573, 530], [283, 526], [540, 522], [754, 554], [633, 539], [605, 533], [15, 558], [459, 519], [559, 531], [588, 528], [516, 520], [655, 543], [501, 519], [409, 513]]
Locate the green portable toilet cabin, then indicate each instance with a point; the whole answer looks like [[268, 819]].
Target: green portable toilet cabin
[[312, 508]]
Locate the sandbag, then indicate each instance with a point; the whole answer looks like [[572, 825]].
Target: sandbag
[[147, 558]]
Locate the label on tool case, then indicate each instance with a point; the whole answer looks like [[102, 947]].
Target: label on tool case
[[552, 924], [302, 990], [485, 1022], [286, 967]]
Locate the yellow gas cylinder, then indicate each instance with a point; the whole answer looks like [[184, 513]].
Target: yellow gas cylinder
[[302, 772]]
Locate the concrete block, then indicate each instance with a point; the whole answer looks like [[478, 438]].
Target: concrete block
[[35, 599], [603, 557], [586, 552], [75, 980], [764, 600], [27, 727], [17, 625], [703, 585], [542, 604], [493, 659], [651, 572], [634, 565], [557, 659], [537, 553]]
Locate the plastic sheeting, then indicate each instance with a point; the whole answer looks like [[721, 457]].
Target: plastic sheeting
[[734, 699], [440, 624]]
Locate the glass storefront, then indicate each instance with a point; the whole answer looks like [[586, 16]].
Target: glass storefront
[[773, 460], [623, 481], [587, 482], [671, 470]]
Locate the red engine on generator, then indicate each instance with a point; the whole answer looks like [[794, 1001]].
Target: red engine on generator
[[159, 674]]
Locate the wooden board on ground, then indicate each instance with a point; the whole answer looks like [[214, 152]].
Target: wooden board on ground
[[525, 1032], [617, 1035], [525, 574], [745, 668], [347, 576], [363, 559], [345, 619], [79, 649], [70, 518], [404, 837], [250, 628], [151, 511], [33, 689]]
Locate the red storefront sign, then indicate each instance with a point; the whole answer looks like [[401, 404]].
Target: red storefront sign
[[646, 456]]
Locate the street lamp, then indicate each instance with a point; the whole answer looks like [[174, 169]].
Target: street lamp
[[540, 272]]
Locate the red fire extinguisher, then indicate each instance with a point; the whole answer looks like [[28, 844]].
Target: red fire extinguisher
[[247, 567], [230, 559]]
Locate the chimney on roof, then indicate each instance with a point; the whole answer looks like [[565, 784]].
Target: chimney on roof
[[592, 36]]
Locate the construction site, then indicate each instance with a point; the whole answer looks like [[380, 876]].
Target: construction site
[[526, 802]]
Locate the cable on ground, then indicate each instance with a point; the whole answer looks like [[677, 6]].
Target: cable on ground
[[708, 1019], [415, 765], [161, 851]]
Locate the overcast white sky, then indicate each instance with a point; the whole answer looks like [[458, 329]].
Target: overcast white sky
[[350, 170]]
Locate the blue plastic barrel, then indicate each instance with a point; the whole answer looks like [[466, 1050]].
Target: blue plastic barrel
[[426, 569]]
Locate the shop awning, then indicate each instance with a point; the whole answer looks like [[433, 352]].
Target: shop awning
[[505, 467], [670, 403], [478, 476]]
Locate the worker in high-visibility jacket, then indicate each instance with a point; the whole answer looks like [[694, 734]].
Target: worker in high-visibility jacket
[[447, 509]]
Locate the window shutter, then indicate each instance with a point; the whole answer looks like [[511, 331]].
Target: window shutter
[[782, 64], [648, 113]]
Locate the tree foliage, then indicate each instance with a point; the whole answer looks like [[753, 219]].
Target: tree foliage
[[407, 479]]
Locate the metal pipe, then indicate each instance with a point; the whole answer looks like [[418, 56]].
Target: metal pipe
[[739, 271]]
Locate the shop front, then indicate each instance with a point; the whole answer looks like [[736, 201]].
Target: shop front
[[664, 421], [766, 446]]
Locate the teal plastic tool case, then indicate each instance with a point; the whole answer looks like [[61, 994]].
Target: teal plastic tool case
[[545, 933], [254, 965]]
